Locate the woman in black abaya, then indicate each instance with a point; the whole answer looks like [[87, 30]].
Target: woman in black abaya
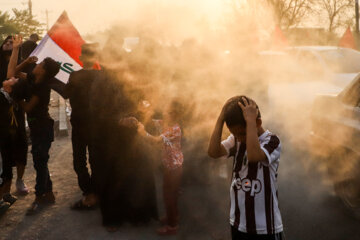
[[125, 180]]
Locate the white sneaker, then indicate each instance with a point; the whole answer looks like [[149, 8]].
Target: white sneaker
[[21, 187]]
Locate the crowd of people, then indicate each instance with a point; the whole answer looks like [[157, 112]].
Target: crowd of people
[[111, 183], [112, 122]]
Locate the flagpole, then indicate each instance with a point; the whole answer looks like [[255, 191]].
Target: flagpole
[[357, 16]]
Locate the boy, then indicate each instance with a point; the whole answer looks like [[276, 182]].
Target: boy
[[40, 122], [254, 211]]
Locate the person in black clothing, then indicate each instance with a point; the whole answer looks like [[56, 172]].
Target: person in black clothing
[[7, 131], [16, 150], [29, 46], [5, 53], [40, 123], [77, 90], [125, 178]]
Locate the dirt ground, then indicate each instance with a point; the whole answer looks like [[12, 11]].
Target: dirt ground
[[59, 222]]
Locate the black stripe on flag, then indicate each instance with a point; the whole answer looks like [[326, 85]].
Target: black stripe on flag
[[272, 144], [250, 201], [267, 189]]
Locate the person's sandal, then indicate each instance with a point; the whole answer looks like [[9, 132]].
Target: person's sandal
[[4, 206], [21, 187], [167, 230], [79, 205], [112, 229], [33, 209], [9, 198]]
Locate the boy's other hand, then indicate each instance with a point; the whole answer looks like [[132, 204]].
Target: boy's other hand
[[17, 41], [7, 84], [141, 128], [249, 109], [32, 59], [130, 122]]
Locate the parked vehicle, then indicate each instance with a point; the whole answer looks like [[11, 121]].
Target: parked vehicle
[[340, 65], [335, 139]]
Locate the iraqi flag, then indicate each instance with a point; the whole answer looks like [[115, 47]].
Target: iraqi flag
[[63, 44]]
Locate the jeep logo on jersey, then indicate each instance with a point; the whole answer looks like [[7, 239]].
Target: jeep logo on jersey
[[248, 185]]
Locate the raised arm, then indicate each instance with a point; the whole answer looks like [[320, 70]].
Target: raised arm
[[14, 70], [254, 152], [26, 62], [17, 41], [216, 149]]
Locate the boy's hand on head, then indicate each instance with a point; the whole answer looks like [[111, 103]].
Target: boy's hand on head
[[17, 41], [249, 109]]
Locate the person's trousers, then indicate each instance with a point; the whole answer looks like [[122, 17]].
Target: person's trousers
[[237, 235], [1, 165], [80, 143], [13, 148], [41, 139], [171, 188]]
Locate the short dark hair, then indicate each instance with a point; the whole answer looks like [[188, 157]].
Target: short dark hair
[[89, 49], [233, 114], [51, 68]]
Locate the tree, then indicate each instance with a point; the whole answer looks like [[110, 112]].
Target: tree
[[7, 27], [26, 23], [290, 13], [21, 23], [339, 12]]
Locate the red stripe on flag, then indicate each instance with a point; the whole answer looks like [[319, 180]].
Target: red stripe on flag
[[65, 35]]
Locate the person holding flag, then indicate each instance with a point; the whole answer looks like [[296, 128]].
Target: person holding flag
[[40, 123], [78, 91]]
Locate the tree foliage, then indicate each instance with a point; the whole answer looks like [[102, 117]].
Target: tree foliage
[[339, 13], [22, 22], [290, 13]]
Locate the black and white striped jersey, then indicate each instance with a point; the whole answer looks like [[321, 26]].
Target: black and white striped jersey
[[253, 192]]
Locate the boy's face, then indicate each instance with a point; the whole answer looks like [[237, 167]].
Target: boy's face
[[39, 69], [239, 132]]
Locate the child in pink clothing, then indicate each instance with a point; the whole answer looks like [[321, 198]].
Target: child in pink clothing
[[172, 158]]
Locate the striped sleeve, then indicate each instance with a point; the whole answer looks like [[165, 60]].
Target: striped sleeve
[[228, 144], [272, 148]]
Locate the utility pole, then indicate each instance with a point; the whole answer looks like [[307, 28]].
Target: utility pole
[[47, 20], [357, 15], [30, 7]]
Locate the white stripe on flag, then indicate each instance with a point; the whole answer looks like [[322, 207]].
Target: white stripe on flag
[[48, 48]]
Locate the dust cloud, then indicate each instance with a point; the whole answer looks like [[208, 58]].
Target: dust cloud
[[202, 61]]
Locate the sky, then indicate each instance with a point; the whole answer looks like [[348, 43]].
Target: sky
[[90, 16]]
